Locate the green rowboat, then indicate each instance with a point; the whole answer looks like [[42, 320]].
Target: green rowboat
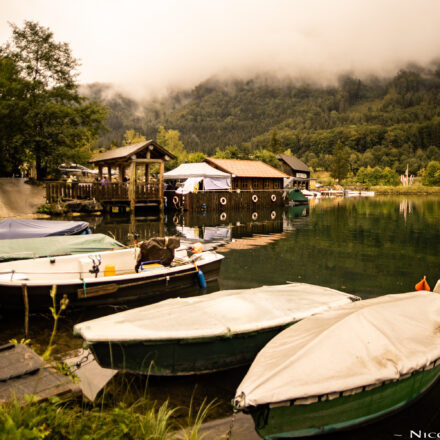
[[296, 196], [202, 334], [346, 367]]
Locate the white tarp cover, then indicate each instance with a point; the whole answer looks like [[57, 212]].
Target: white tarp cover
[[363, 343], [216, 183], [220, 313], [200, 169], [213, 179], [189, 185]]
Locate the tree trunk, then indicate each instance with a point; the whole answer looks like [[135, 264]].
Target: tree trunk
[[40, 168]]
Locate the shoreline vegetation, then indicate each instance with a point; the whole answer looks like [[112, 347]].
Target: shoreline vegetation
[[123, 409], [406, 190]]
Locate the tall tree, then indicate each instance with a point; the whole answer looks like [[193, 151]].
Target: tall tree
[[12, 93], [170, 139], [56, 122], [339, 165], [133, 137]]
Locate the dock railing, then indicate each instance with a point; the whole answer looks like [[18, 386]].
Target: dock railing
[[111, 192]]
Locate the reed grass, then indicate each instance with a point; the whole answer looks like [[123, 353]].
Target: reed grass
[[122, 411], [64, 419], [407, 190]]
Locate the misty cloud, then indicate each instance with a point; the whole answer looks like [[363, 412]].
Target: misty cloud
[[150, 47]]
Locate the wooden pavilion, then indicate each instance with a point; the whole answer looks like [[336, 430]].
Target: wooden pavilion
[[124, 187]]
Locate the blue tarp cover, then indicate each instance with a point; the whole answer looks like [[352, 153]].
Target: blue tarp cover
[[20, 228]]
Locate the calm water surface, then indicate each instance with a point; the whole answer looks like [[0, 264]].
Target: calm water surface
[[365, 246]]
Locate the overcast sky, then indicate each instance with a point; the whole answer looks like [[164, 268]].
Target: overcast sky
[[149, 46]]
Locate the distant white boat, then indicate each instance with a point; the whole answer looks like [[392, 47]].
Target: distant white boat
[[332, 193], [351, 193], [311, 194]]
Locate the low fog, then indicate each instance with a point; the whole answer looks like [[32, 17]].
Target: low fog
[[149, 47]]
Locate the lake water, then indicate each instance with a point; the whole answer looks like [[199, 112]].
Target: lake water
[[364, 246]]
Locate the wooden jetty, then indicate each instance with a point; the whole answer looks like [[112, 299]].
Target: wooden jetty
[[136, 160], [114, 193]]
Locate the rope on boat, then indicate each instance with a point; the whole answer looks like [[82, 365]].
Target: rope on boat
[[121, 271], [229, 433], [82, 362], [84, 287]]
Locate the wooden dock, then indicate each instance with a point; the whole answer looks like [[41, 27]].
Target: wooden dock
[[113, 193], [224, 201]]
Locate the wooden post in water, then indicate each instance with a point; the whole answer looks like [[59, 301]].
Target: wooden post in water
[[132, 197], [26, 310], [161, 190], [132, 187]]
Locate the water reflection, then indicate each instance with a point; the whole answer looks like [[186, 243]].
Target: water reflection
[[366, 246]]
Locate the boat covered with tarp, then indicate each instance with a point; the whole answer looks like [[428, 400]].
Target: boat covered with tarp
[[25, 248], [11, 228], [344, 367], [212, 332]]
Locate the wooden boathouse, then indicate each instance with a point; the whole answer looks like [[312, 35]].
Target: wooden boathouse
[[131, 183], [296, 169], [255, 185]]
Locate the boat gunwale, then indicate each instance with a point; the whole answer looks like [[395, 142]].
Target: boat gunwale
[[354, 423], [342, 393], [188, 340]]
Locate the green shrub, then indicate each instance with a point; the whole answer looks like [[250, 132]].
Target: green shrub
[[431, 176]]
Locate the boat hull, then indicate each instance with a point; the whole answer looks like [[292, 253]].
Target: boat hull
[[297, 197], [109, 292], [182, 357], [343, 412]]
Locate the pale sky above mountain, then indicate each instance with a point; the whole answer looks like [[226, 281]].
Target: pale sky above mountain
[[149, 46]]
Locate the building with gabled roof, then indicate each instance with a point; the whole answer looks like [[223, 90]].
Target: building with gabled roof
[[296, 169], [249, 174]]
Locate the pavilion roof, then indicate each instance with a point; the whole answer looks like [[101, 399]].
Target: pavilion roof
[[125, 153]]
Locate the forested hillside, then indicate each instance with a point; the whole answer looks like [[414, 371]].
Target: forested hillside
[[379, 122]]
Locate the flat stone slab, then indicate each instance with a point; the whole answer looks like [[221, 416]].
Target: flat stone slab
[[17, 360], [23, 372]]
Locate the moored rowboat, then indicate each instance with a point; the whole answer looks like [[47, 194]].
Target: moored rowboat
[[23, 228], [100, 278], [344, 367], [212, 332]]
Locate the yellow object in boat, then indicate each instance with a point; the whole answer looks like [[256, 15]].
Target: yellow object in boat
[[151, 266], [109, 270]]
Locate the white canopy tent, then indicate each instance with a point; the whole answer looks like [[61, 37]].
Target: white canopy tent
[[194, 173]]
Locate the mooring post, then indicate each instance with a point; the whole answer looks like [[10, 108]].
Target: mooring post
[[132, 187], [26, 310]]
